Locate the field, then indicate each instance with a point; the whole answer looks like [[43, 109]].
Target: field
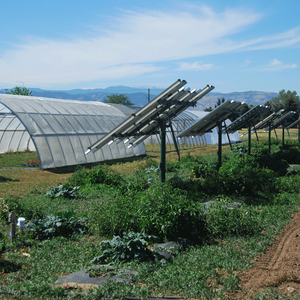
[[230, 219]]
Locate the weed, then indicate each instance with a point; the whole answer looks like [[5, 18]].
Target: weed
[[132, 246], [97, 175], [53, 226], [62, 191]]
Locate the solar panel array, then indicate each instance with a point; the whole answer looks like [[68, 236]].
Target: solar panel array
[[281, 121], [207, 123], [245, 119], [293, 124], [146, 121], [265, 121]]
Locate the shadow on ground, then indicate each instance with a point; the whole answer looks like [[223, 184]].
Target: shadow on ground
[[5, 179]]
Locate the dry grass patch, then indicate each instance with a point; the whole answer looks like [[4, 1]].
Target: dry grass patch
[[20, 182], [264, 135]]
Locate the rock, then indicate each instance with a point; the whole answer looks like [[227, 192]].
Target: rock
[[291, 290], [85, 276], [169, 249]]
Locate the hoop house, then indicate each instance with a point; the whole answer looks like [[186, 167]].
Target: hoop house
[[60, 130]]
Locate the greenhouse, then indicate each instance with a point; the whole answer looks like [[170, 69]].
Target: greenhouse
[[60, 130]]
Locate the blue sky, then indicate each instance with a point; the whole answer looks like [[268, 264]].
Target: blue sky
[[234, 45]]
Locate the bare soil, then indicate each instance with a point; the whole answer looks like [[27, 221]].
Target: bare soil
[[278, 268]]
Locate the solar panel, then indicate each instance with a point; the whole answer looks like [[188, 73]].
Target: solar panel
[[146, 121], [265, 121], [245, 119], [281, 121], [293, 124], [208, 122], [213, 119]]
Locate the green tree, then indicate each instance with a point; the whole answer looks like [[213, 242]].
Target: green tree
[[219, 102], [208, 108], [19, 91], [118, 99], [287, 100]]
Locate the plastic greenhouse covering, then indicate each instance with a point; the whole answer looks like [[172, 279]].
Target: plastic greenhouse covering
[[60, 130]]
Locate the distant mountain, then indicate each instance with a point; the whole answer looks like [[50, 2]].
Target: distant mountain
[[251, 97], [139, 96]]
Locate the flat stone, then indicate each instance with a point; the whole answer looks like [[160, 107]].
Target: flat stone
[[168, 250], [83, 277], [291, 290]]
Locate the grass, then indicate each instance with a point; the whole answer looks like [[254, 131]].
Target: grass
[[15, 159], [211, 268], [20, 182]]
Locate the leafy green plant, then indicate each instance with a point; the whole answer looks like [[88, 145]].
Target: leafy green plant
[[4, 209], [2, 244], [161, 210], [78, 178], [271, 161], [28, 208], [97, 175], [228, 218], [53, 226], [204, 170], [243, 175], [132, 246], [239, 149], [62, 190], [152, 169]]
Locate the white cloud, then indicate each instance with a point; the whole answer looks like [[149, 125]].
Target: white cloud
[[135, 45], [275, 62], [195, 66], [276, 65], [282, 40]]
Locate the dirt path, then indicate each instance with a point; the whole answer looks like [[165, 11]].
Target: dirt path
[[279, 267]]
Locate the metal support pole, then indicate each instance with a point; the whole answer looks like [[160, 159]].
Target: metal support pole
[[299, 133], [162, 165], [256, 133], [249, 140], [174, 138], [276, 134], [228, 135], [270, 130], [219, 124], [288, 133], [282, 136]]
